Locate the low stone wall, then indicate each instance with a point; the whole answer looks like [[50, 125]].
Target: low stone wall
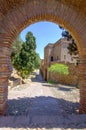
[[70, 79], [14, 82]]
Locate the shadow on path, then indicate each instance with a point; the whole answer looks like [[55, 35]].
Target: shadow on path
[[46, 104], [60, 87], [42, 112], [38, 78]]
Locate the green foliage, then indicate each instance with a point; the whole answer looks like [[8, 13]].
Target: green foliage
[[72, 47], [67, 35], [25, 61], [51, 82], [16, 47], [37, 61], [59, 68]]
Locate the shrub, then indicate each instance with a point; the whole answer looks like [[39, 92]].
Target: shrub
[[59, 68], [51, 82]]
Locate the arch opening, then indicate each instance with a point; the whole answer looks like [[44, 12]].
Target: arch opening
[[56, 12]]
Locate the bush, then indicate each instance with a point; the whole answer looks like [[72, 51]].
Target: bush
[[59, 68], [51, 82]]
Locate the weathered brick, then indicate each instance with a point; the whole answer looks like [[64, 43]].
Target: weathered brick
[[15, 15]]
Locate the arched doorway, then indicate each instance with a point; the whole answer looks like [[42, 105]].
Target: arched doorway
[[16, 15]]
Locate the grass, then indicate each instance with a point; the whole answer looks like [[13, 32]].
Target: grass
[[51, 82]]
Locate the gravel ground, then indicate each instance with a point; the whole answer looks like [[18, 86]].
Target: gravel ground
[[38, 105]]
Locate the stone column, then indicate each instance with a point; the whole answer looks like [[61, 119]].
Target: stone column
[[82, 83], [5, 71]]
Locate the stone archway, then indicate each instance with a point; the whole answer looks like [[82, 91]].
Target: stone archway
[[16, 15]]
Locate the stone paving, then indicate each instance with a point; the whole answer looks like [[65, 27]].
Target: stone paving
[[38, 105]]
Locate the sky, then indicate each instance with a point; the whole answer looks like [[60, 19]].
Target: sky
[[44, 32]]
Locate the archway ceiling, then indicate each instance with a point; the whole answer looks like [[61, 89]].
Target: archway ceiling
[[6, 5]]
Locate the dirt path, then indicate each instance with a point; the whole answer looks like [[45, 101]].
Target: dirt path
[[41, 106]]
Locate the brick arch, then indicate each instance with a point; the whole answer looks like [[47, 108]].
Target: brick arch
[[19, 17]]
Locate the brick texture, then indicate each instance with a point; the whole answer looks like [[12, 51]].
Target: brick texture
[[15, 15]]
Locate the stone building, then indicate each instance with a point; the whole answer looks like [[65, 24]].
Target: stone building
[[54, 53], [58, 52]]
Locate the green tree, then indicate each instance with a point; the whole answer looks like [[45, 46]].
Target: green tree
[[72, 47], [24, 62], [16, 47], [37, 61]]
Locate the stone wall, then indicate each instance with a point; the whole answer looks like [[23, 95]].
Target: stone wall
[[70, 79]]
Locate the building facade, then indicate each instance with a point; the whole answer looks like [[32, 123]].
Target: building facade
[[59, 52], [56, 53]]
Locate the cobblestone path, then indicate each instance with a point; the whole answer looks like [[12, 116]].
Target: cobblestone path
[[38, 105]]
